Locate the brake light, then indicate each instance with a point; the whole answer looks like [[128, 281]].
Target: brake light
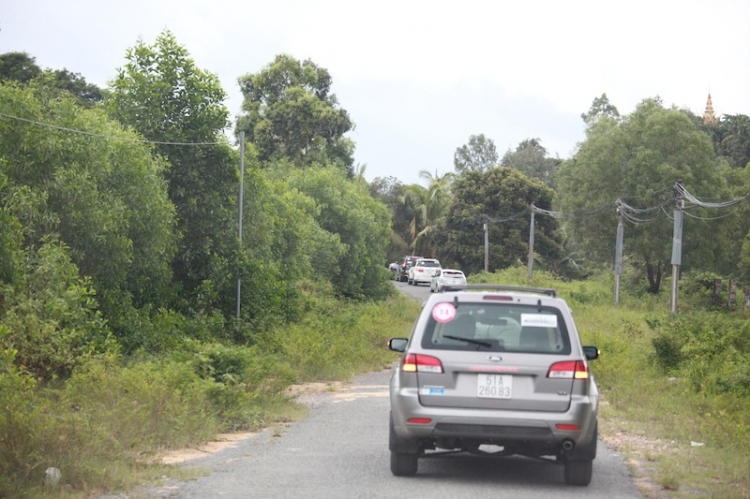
[[571, 427], [421, 363], [498, 297], [572, 369]]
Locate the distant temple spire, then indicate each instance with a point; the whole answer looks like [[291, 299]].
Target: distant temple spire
[[708, 116]]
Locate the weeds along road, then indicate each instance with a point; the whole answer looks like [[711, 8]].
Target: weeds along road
[[341, 451]]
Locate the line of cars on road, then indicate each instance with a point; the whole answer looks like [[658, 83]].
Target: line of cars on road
[[416, 270]]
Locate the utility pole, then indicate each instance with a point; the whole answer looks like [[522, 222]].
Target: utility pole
[[242, 191], [531, 244], [486, 246], [677, 243], [618, 255]]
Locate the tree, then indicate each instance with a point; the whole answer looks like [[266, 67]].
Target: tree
[[390, 191], [86, 94], [639, 159], [163, 95], [502, 197], [290, 113], [600, 108], [22, 68], [104, 198], [361, 223], [479, 154], [427, 206], [530, 158], [18, 66], [734, 142]]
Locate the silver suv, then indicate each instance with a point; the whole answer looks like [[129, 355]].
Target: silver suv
[[494, 370]]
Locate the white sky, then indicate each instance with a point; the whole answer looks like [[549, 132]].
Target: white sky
[[420, 77]]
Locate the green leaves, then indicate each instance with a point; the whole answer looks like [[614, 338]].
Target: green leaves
[[290, 114], [639, 158], [498, 193]]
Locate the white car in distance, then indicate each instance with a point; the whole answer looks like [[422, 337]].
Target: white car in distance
[[423, 270], [447, 277]]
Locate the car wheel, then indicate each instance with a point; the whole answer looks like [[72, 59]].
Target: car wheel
[[404, 463], [576, 472]]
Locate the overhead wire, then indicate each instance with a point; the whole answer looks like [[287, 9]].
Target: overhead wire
[[104, 136]]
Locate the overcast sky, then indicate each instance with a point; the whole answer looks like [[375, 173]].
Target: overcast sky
[[420, 77]]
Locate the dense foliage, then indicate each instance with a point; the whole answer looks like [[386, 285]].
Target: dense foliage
[[639, 159], [499, 197], [290, 113]]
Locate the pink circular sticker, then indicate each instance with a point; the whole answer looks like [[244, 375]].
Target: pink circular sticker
[[444, 312]]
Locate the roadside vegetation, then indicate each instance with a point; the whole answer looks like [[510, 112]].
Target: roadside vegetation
[[675, 388], [107, 422]]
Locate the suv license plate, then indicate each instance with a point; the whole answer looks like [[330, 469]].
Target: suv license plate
[[494, 386]]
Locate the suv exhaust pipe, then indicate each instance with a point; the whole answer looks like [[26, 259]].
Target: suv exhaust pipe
[[568, 445]]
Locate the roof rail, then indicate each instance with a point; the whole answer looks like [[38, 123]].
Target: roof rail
[[501, 287]]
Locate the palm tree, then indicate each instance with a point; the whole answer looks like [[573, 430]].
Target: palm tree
[[428, 206]]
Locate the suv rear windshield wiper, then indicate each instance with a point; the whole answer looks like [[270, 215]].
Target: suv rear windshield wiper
[[468, 340]]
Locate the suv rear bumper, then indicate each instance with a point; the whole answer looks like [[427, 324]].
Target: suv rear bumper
[[493, 426]]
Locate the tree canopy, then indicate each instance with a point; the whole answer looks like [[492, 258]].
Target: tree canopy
[[22, 68], [290, 113], [164, 96], [479, 154], [530, 158], [500, 196], [639, 158]]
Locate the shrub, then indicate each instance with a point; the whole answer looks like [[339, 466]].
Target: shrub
[[51, 315]]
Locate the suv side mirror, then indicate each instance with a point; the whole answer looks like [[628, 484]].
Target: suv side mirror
[[591, 353], [398, 344]]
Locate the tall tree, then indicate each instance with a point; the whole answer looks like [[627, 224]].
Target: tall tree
[[600, 108], [639, 158], [427, 207], [164, 96], [734, 142], [290, 113], [530, 158], [18, 66], [390, 191], [501, 196], [479, 154], [21, 67]]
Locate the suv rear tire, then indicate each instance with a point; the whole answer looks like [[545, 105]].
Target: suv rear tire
[[404, 463], [576, 472]]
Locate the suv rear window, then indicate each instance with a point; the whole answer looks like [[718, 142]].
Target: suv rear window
[[499, 327]]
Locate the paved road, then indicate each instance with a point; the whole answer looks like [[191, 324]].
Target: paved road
[[341, 451]]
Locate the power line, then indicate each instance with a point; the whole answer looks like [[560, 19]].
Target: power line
[[679, 188], [103, 136]]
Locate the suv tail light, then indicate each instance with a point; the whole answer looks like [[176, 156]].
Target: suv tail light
[[421, 363], [575, 369]]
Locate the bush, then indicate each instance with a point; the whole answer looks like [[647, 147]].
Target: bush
[[51, 315]]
